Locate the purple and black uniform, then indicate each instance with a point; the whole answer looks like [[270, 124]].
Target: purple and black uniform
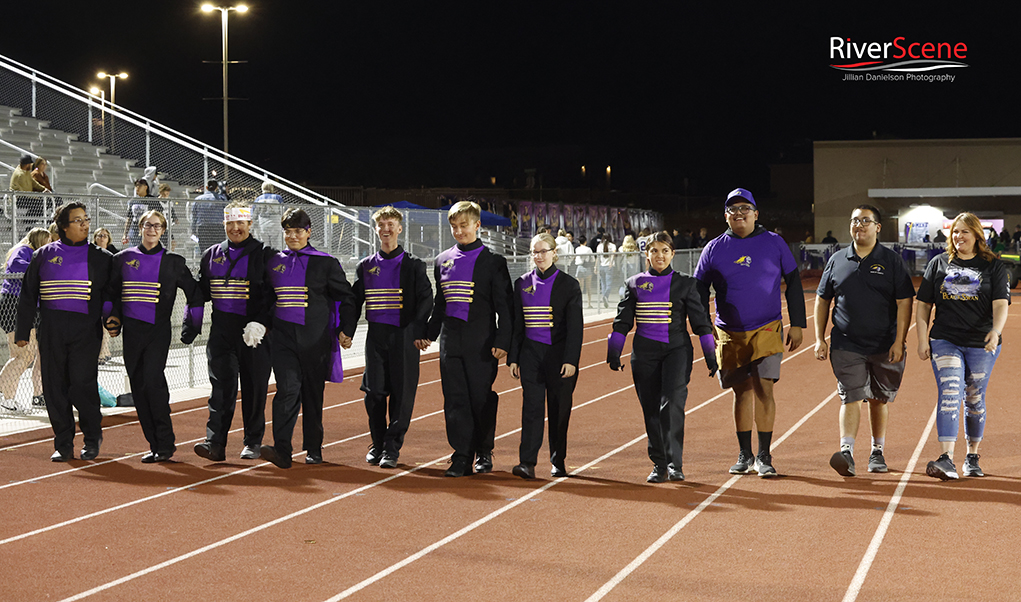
[[69, 285], [144, 287], [312, 304], [473, 289], [233, 278], [398, 299], [661, 354], [11, 288], [548, 329]]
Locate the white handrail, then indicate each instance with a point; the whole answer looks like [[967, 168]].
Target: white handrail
[[106, 188]]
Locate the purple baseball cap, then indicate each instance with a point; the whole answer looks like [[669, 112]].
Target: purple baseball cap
[[744, 194]]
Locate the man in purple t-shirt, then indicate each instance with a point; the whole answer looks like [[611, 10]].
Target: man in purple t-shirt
[[745, 266]]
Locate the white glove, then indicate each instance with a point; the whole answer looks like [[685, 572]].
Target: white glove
[[253, 334]]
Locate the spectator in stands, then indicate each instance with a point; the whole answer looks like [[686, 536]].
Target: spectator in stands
[[39, 173], [631, 259], [600, 231], [699, 241], [104, 240], [809, 239], [168, 210], [207, 217], [140, 203], [829, 239], [18, 258], [583, 269], [675, 235], [267, 211], [21, 180], [1016, 238], [940, 236], [574, 243], [564, 249], [607, 251]]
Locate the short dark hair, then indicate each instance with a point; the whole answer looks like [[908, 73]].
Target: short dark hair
[[296, 218], [583, 240], [25, 160], [662, 237], [212, 185], [875, 212], [61, 216]]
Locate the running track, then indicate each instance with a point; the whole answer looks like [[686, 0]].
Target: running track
[[117, 529]]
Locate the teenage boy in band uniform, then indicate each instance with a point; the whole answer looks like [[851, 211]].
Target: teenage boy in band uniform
[[232, 275], [398, 298], [745, 265], [314, 315], [144, 285], [67, 280], [472, 320], [871, 292]]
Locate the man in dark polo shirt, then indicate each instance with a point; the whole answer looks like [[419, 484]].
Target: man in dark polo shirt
[[872, 292]]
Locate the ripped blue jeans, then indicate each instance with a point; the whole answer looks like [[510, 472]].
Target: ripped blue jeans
[[962, 374]]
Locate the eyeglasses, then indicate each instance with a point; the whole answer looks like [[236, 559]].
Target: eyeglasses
[[84, 221], [739, 209], [156, 227], [862, 221], [541, 253], [295, 232]]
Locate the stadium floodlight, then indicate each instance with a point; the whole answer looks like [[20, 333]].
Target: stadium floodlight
[[224, 10]]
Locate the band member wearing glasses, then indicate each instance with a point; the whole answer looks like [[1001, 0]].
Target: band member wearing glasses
[[68, 281], [144, 286]]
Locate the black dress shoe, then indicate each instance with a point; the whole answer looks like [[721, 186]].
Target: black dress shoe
[[91, 452], [210, 451], [149, 458], [279, 460], [311, 458], [675, 474], [374, 456], [59, 456], [152, 458], [459, 467], [658, 475], [524, 471], [484, 462], [389, 460], [558, 471]]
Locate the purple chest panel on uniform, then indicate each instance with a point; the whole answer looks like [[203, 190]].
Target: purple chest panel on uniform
[[64, 277], [141, 289], [535, 303], [229, 293], [12, 286], [384, 297], [653, 306], [286, 272], [457, 280]]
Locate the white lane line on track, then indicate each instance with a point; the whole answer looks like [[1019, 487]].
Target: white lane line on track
[[304, 511], [218, 477], [877, 539], [690, 516]]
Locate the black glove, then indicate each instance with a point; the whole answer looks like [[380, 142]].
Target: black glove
[[615, 363], [188, 334], [710, 360]]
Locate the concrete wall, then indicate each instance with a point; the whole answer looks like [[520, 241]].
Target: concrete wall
[[845, 171]]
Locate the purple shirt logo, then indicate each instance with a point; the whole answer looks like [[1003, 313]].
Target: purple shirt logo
[[229, 294], [140, 291], [535, 303], [457, 280], [653, 306], [64, 277], [287, 275], [384, 296]]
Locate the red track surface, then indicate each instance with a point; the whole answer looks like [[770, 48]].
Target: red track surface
[[120, 530]]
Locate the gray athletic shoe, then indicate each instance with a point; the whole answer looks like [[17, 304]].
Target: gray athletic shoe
[[764, 464], [971, 468], [843, 463], [943, 468], [745, 464], [877, 463]]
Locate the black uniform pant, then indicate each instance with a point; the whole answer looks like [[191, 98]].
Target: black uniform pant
[[468, 370], [661, 374], [228, 358], [391, 369], [69, 352], [301, 361], [145, 358], [539, 366]]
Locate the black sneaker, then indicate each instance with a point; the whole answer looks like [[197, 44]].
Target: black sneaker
[[658, 475], [877, 463], [388, 460], [943, 468], [484, 462], [764, 464], [843, 463], [374, 456], [745, 463], [971, 468], [459, 467]]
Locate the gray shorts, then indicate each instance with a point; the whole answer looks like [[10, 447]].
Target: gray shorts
[[764, 367], [866, 376]]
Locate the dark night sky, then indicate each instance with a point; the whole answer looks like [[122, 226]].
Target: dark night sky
[[443, 94]]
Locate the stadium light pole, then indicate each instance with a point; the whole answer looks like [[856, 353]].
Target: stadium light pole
[[95, 91], [224, 10], [113, 77]]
